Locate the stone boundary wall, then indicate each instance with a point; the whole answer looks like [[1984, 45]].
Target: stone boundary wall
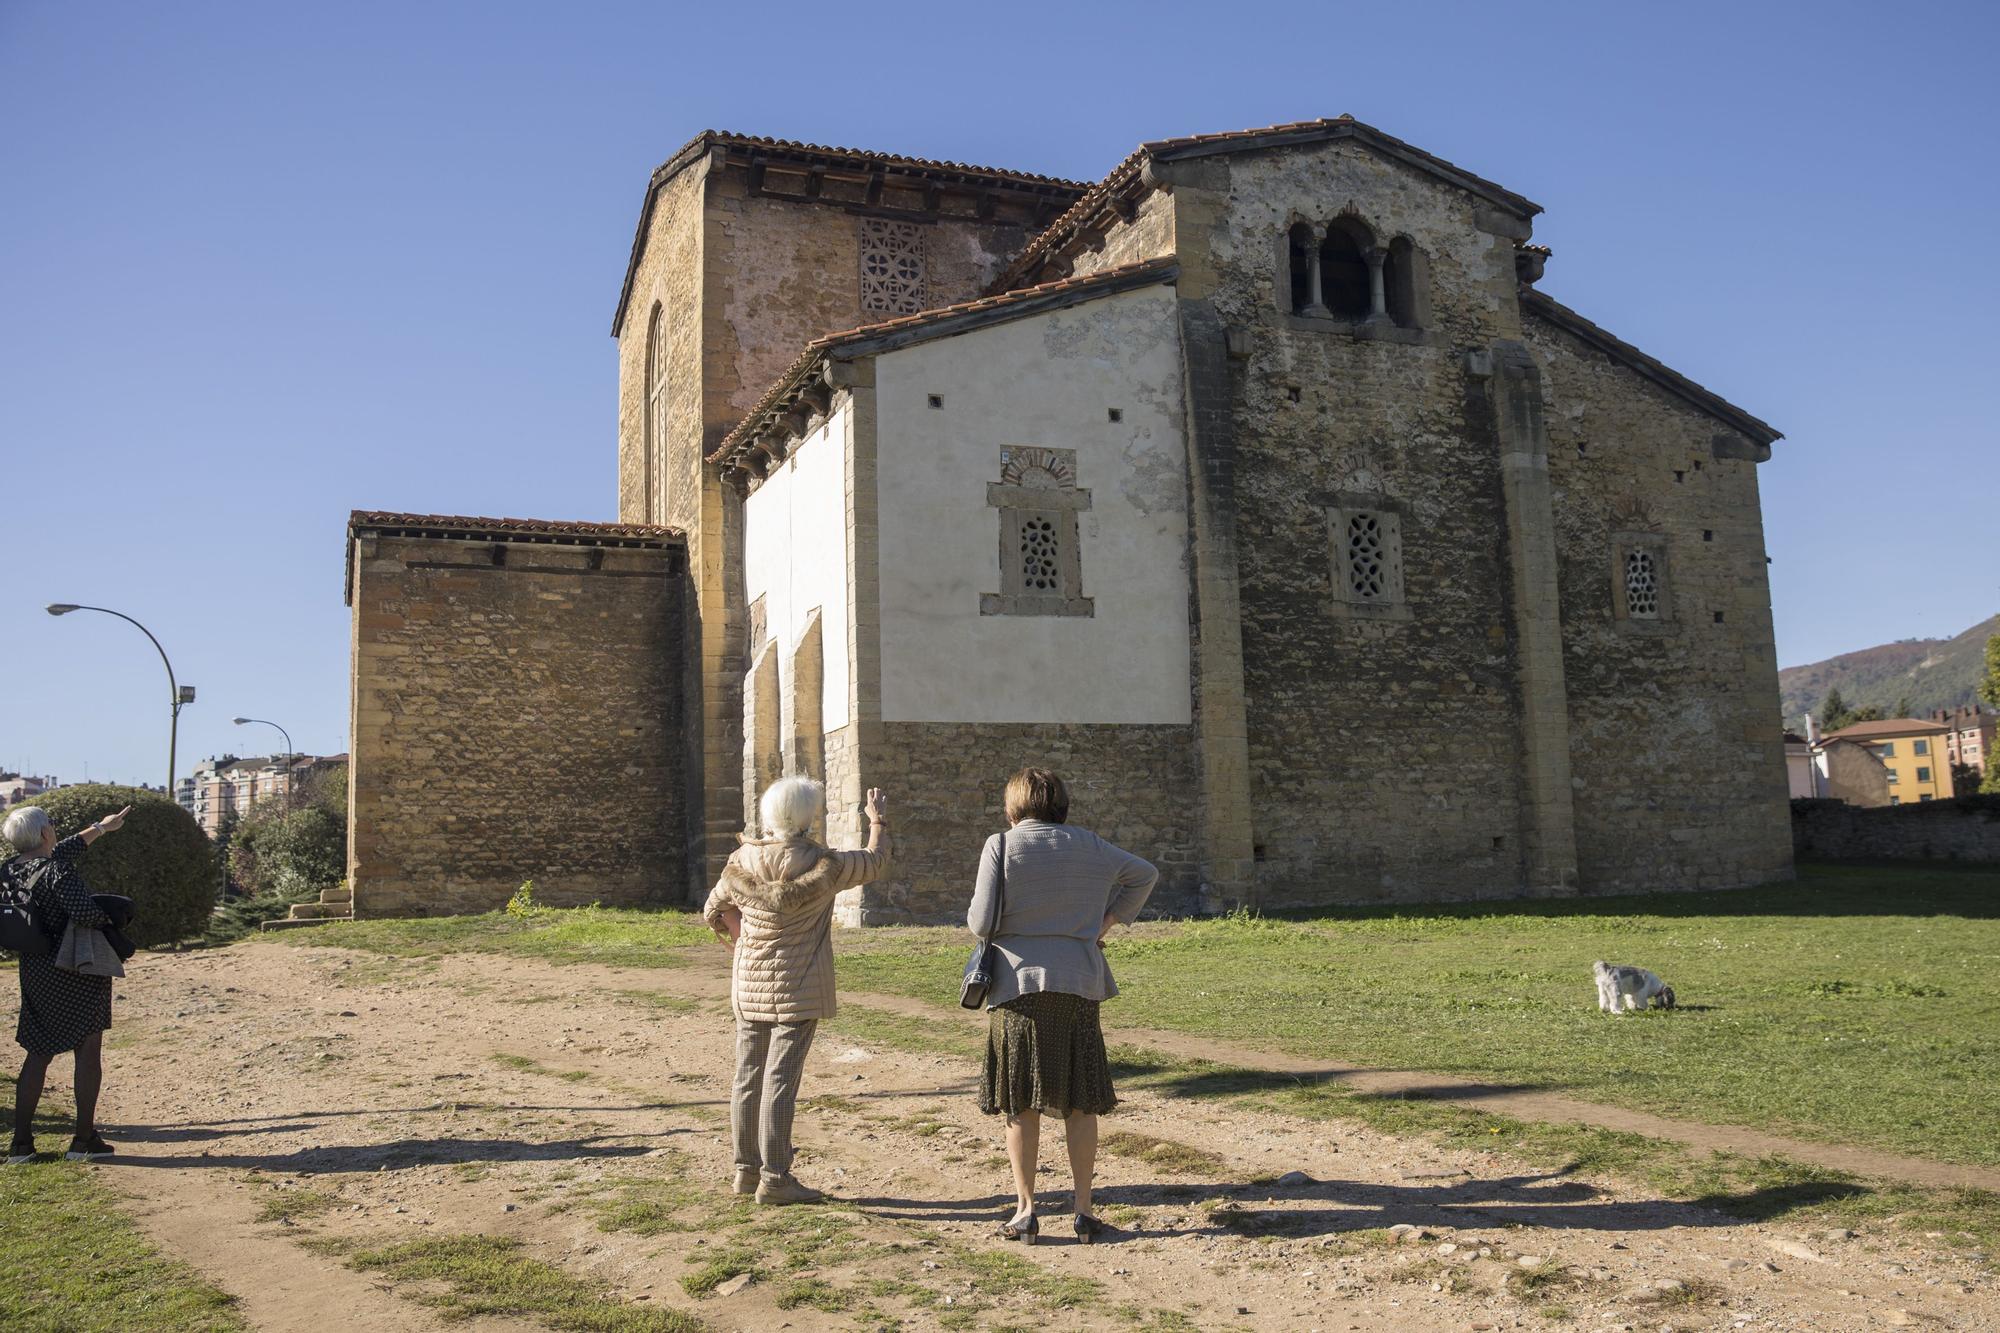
[[1965, 829], [516, 715], [1132, 784]]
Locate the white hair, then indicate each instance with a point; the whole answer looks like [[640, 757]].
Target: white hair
[[790, 806], [24, 828]]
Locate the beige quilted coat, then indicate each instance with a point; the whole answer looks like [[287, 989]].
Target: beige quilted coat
[[783, 970]]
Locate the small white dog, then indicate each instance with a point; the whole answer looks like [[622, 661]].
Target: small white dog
[[1635, 987]]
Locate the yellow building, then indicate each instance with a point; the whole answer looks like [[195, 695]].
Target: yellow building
[[1913, 751]]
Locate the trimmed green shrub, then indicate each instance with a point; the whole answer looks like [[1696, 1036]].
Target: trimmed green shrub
[[160, 859]]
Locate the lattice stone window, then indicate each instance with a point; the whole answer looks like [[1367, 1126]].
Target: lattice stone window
[[1642, 585], [1641, 595], [1367, 533], [1041, 567], [892, 267]]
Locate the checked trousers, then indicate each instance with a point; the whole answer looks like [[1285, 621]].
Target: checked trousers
[[770, 1061]]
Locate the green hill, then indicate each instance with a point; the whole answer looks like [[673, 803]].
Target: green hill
[[1930, 673]]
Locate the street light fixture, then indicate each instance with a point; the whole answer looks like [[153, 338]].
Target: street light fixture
[[291, 757], [177, 694]]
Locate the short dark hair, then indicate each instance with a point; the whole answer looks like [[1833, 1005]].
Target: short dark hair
[[1037, 793]]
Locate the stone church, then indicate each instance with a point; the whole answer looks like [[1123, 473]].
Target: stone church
[[1257, 487]]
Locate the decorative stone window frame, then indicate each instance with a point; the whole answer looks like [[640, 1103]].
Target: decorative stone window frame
[[1388, 515], [1655, 546], [1399, 283], [893, 266], [1037, 491]]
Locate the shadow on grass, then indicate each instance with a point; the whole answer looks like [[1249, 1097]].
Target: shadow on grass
[[402, 1154]]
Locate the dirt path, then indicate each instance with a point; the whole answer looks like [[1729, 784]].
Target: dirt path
[[582, 1111]]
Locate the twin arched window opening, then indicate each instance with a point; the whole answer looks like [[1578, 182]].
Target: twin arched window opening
[[1339, 272]]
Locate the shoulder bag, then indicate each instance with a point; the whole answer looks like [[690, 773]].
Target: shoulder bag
[[978, 983], [20, 925]]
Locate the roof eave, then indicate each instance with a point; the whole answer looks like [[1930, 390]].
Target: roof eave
[[1652, 368]]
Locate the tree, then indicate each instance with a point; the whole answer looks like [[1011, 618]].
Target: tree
[[1989, 691], [1902, 708], [1833, 711], [160, 859]]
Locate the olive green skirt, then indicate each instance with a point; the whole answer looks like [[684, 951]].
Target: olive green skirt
[[1045, 1052]]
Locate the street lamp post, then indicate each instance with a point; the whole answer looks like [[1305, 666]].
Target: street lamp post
[[291, 756], [180, 695]]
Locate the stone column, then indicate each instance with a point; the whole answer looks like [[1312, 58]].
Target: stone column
[[1548, 814], [1378, 295], [1316, 306]]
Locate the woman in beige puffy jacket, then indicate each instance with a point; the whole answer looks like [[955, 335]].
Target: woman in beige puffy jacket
[[774, 903]]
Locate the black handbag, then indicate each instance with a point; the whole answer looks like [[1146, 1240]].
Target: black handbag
[[20, 925], [978, 983]]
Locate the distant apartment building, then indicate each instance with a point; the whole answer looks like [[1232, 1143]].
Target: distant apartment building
[[1969, 736], [1911, 750], [18, 787], [225, 786]]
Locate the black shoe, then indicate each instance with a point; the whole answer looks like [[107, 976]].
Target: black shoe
[[1023, 1230], [20, 1150], [1088, 1228], [88, 1149]]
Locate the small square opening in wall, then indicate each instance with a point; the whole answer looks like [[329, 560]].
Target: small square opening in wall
[[1708, 534], [1679, 476], [1718, 617], [935, 400], [1499, 842], [1258, 852], [1582, 449], [1292, 393], [1114, 413], [1697, 465]]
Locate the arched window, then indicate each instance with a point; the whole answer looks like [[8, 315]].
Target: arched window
[[1343, 270], [656, 414], [1403, 277]]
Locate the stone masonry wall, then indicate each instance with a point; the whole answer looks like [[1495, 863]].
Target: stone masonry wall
[[1133, 785], [516, 716], [1384, 753], [1147, 235], [1966, 829], [1675, 740]]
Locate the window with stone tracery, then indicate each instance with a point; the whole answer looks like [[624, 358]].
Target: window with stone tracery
[[892, 267], [1641, 592], [1041, 567], [1367, 535], [1642, 586]]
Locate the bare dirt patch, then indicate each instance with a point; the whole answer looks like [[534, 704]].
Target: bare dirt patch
[[286, 1113]]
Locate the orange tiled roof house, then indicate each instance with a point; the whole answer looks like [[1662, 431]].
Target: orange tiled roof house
[[1256, 487]]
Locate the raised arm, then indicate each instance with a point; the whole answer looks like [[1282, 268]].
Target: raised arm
[[986, 887]]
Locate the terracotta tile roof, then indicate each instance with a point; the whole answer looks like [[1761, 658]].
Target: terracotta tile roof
[[1127, 178], [1887, 727], [461, 524], [923, 168], [941, 322], [499, 529], [1537, 302]]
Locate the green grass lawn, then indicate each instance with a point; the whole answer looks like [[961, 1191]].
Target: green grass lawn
[[1859, 1005], [615, 937], [71, 1263]]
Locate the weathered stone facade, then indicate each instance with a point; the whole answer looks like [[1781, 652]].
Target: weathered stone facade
[[516, 714], [1334, 561]]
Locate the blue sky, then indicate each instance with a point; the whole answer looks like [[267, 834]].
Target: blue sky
[[264, 263]]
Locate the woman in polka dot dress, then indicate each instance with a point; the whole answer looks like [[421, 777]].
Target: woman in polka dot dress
[[60, 1011]]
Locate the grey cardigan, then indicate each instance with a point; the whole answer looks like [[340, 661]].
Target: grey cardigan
[[1061, 884]]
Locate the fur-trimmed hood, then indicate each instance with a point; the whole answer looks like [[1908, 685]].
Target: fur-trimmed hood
[[781, 895]]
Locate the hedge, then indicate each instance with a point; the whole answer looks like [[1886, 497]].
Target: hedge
[[160, 859]]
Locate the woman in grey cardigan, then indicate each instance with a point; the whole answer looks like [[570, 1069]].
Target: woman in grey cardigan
[[1064, 888]]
